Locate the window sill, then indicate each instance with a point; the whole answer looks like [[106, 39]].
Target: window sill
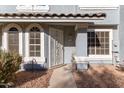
[[100, 57], [38, 59]]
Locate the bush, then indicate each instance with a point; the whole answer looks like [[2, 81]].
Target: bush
[[9, 64]]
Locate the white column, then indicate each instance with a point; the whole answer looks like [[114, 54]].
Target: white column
[[49, 51], [20, 43], [5, 41], [81, 40], [26, 45], [42, 45]]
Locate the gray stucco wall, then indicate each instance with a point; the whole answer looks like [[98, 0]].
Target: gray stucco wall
[[115, 44], [81, 42], [111, 15], [121, 33], [69, 43]]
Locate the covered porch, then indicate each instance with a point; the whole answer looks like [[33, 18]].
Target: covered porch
[[51, 42]]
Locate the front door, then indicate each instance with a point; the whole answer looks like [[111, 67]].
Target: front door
[[56, 47]]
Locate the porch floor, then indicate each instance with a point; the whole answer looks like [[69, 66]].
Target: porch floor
[[62, 78]]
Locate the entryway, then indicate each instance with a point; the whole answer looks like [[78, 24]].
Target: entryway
[[62, 44]]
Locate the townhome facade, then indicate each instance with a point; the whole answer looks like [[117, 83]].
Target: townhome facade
[[50, 35]]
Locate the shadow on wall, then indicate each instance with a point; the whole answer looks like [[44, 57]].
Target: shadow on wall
[[98, 79]]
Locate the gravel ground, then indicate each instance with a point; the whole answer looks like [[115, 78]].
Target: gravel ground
[[39, 79], [100, 76]]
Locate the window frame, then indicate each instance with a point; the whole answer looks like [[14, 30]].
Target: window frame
[[27, 57], [34, 44], [5, 30], [15, 32], [110, 43]]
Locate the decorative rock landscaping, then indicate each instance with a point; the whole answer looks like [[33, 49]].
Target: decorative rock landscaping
[[100, 76], [36, 79]]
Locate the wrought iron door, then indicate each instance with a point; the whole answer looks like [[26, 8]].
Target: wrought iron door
[[56, 46]]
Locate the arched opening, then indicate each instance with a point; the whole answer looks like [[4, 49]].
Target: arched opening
[[13, 40]]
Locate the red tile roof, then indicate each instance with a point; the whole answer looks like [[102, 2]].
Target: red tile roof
[[90, 15]]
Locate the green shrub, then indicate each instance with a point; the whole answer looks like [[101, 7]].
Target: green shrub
[[9, 64]]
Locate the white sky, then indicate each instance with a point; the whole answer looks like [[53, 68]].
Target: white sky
[[64, 2]]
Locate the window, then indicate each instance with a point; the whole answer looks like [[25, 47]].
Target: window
[[34, 42], [99, 43], [13, 40]]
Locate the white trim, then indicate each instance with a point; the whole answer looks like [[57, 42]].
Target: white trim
[[26, 46], [4, 19], [110, 43], [4, 41], [87, 59], [49, 37], [27, 57], [104, 57], [20, 43]]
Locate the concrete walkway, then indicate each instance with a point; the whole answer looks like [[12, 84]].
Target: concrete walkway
[[62, 78]]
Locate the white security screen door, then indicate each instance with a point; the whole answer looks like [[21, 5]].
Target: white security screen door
[[56, 46]]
